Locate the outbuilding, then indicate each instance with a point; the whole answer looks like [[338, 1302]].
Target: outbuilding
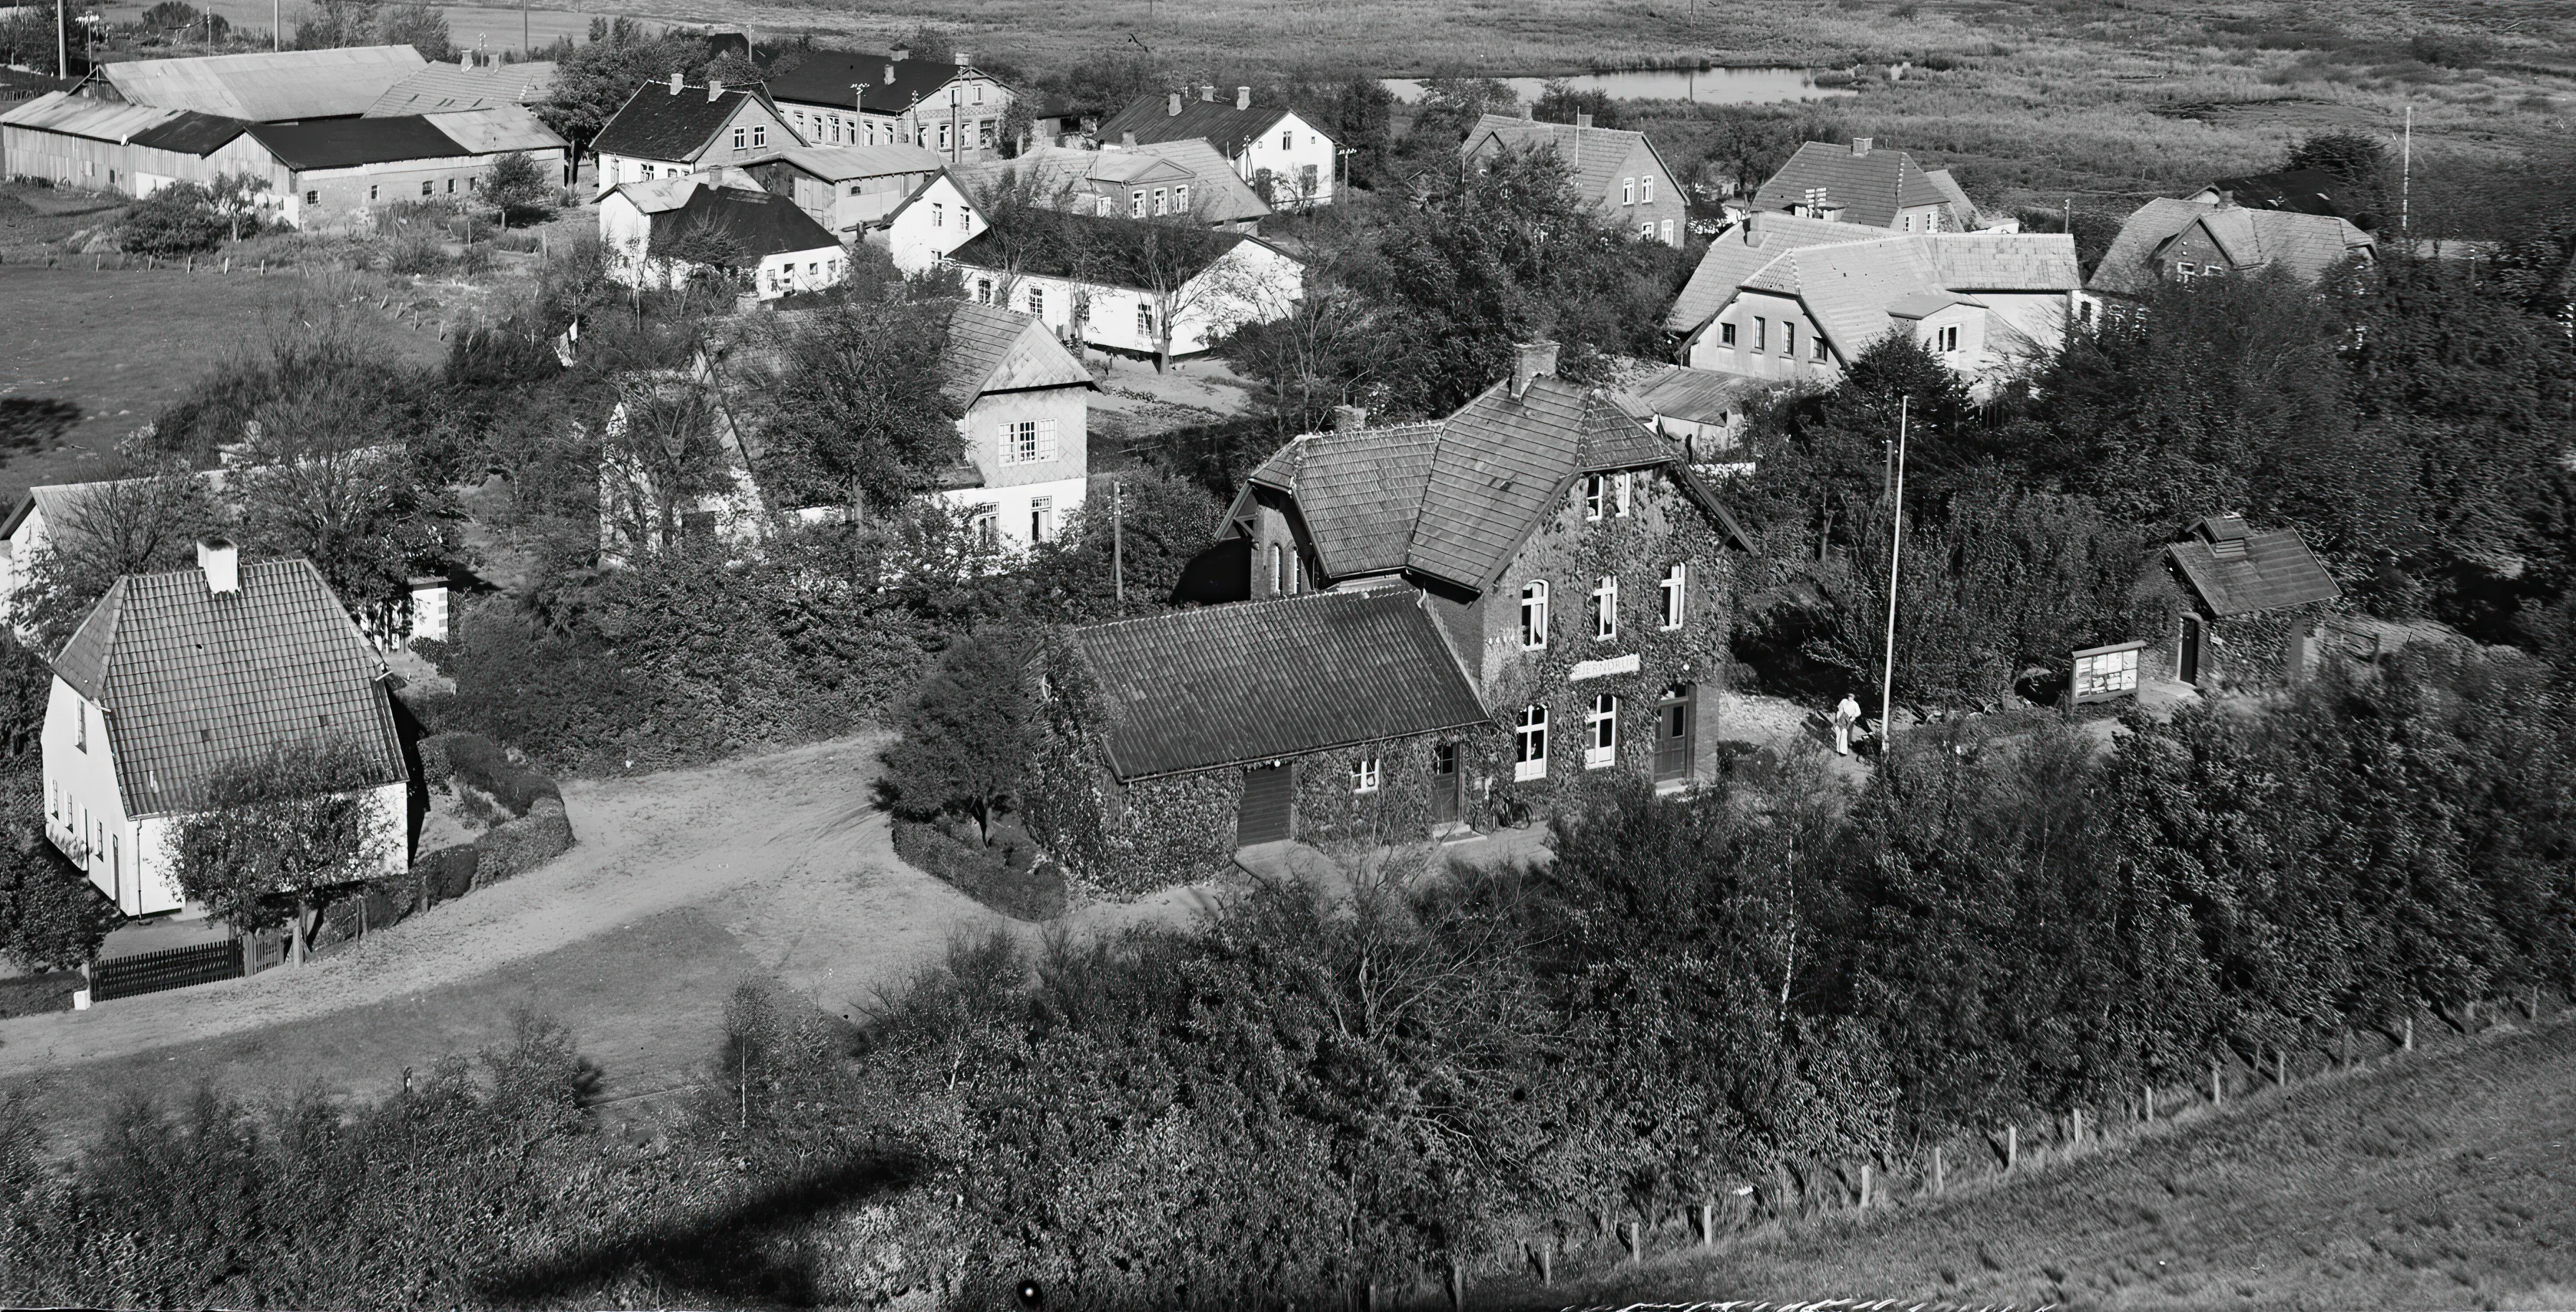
[[2258, 605]]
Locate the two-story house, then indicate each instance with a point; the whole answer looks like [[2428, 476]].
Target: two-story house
[[175, 678], [1620, 172], [673, 129], [1162, 180], [1543, 548], [858, 98], [1024, 406], [1790, 299], [2167, 240], [1867, 186], [1288, 159]]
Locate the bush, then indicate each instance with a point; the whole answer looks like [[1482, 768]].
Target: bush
[[50, 914], [179, 219], [477, 761], [1010, 876]]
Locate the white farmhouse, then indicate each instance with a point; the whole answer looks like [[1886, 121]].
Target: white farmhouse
[[927, 226], [176, 677], [1148, 289], [1287, 159]]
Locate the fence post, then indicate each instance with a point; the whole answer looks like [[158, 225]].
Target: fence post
[[2217, 1091], [1457, 1285], [2150, 1102], [1865, 1182], [2407, 1044], [1546, 1261], [2012, 1148], [1636, 1243], [2078, 1122], [1937, 1181], [1707, 1224]]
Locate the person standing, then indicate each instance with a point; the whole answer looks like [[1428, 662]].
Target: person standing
[[1846, 714]]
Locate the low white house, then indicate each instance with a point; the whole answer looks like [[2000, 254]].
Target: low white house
[[1141, 288], [660, 234], [1025, 406], [175, 678], [1286, 158]]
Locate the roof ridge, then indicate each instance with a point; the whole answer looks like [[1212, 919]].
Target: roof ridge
[[1235, 606]]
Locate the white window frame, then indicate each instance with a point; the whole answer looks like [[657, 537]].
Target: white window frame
[[938, 214], [1365, 774], [1041, 519], [1534, 615], [1181, 199], [1601, 732], [1037, 301], [1605, 608], [1761, 333], [1668, 231], [1028, 442], [1627, 191], [1622, 482], [1145, 320], [740, 133], [1676, 595], [1646, 230], [1529, 744], [1135, 204], [1594, 497], [1646, 189], [983, 291]]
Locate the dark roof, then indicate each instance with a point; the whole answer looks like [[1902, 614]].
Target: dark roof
[[2302, 191], [1216, 122], [758, 222], [1116, 251], [344, 142], [191, 682], [2237, 571], [1258, 681], [823, 77], [192, 133], [656, 124], [1871, 188]]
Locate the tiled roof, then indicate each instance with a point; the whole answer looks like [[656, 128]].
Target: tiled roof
[[660, 195], [1871, 188], [2237, 571], [268, 87], [1853, 289], [2303, 191], [758, 223], [1117, 249], [1700, 396], [447, 88], [1740, 252], [335, 143], [1592, 156], [1358, 492], [191, 133], [1263, 680], [655, 123], [191, 682], [1960, 205], [1216, 122], [65, 507], [848, 163], [2308, 245], [823, 77], [1502, 463], [497, 130], [991, 349], [81, 116], [1065, 176]]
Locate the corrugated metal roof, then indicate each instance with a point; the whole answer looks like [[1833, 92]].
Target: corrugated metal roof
[[2275, 569], [1265, 680], [448, 88], [191, 682], [192, 133], [496, 131], [271, 87], [81, 116]]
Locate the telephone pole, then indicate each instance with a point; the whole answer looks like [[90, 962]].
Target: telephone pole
[[1118, 542], [1895, 552]]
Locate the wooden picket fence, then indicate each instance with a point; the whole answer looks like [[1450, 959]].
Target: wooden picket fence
[[169, 968]]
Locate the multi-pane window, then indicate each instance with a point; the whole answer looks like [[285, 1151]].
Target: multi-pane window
[[1601, 732], [1620, 483], [1947, 338], [1816, 348], [1364, 775], [943, 136], [1676, 580], [1529, 744], [1162, 200], [1180, 200], [1627, 191], [1534, 614], [1668, 230], [1041, 519], [1646, 231], [1761, 334], [1135, 204], [984, 291], [759, 135], [1646, 189], [986, 526], [741, 136], [1037, 302], [1789, 338], [1726, 334], [426, 187], [1596, 488], [1145, 319], [938, 215], [1287, 141], [1028, 441], [1605, 608]]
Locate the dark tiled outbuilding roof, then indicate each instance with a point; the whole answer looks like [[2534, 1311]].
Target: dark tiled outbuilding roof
[[1264, 680], [191, 682], [1216, 122], [824, 77], [758, 223], [1358, 492], [345, 142], [2237, 571], [192, 133], [657, 123], [1085, 248]]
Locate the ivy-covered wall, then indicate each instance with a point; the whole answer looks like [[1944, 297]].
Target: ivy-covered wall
[[1121, 840]]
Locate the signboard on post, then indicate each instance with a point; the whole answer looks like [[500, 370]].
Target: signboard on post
[[2106, 673]]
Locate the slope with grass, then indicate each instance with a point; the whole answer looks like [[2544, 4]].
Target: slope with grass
[[2433, 1180]]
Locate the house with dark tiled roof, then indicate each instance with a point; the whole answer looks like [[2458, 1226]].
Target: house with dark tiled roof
[[2180, 241], [176, 678], [1868, 187], [860, 98], [671, 129], [1620, 172], [1287, 158], [1788, 299], [1155, 288], [662, 234], [1543, 546], [2257, 604]]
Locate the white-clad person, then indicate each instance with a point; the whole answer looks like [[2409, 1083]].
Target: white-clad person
[[1846, 715]]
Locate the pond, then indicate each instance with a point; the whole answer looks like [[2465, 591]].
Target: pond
[[1708, 86]]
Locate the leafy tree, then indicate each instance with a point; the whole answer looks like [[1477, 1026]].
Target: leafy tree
[[137, 525], [1560, 102], [285, 833], [317, 478], [662, 453], [966, 737], [519, 189], [333, 24], [51, 916], [594, 80], [1450, 107], [420, 26], [2357, 158], [855, 409], [1163, 524]]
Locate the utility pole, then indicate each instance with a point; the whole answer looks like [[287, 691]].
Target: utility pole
[[1895, 552], [525, 47], [276, 25], [62, 41], [2406, 181], [1118, 541]]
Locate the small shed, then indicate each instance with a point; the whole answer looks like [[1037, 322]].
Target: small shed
[[2257, 602]]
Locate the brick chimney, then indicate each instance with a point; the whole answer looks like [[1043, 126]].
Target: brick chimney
[[899, 53], [1207, 92], [1127, 139], [465, 59], [889, 75], [1860, 146], [1533, 360], [675, 84], [715, 90], [1243, 97], [1173, 109], [221, 562], [963, 61], [1349, 418]]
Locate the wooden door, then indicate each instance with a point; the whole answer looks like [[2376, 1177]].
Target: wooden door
[[1269, 794], [1674, 719], [1448, 798], [2187, 652]]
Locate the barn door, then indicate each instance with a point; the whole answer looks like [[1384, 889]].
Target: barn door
[[1268, 794], [2187, 657]]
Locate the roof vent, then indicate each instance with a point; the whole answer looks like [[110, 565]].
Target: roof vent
[[1861, 145], [1532, 361], [221, 561]]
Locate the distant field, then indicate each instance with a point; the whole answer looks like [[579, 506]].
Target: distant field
[[2444, 1180]]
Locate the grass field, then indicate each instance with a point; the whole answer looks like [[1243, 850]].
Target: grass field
[[2438, 1180]]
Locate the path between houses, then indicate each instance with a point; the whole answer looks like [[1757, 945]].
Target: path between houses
[[682, 885]]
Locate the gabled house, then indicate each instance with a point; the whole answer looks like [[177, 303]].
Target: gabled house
[[176, 677], [858, 98], [1024, 406], [919, 234], [2167, 240], [673, 129], [662, 234], [1788, 299], [1167, 179], [2302, 191], [1287, 158], [847, 189], [1620, 172], [2257, 605], [1866, 186], [264, 87], [474, 81], [632, 521], [1143, 288]]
